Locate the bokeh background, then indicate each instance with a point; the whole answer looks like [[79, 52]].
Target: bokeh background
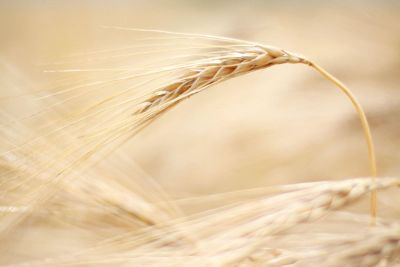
[[280, 125], [274, 126]]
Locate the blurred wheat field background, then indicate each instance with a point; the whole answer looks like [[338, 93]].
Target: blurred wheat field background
[[213, 181]]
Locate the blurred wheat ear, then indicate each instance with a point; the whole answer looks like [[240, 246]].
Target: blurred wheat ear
[[244, 234]]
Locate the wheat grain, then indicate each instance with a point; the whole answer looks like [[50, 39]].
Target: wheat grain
[[228, 65]]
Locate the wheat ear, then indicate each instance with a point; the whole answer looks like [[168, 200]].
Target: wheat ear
[[238, 234], [232, 64], [374, 249]]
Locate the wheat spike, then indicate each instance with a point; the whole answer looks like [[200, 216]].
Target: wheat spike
[[306, 206], [234, 63], [226, 66]]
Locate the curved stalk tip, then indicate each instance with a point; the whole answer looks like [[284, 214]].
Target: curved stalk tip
[[366, 130]]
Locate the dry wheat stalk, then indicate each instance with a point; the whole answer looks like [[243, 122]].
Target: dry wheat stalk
[[230, 64]]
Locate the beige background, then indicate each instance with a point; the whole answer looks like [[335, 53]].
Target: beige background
[[274, 126]]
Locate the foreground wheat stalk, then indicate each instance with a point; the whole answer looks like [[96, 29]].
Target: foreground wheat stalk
[[115, 124], [230, 64]]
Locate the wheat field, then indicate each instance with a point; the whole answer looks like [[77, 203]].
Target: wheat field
[[199, 133]]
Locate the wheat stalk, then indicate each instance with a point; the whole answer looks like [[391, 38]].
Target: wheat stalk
[[230, 64]]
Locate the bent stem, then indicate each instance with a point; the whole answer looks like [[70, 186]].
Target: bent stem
[[366, 130]]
